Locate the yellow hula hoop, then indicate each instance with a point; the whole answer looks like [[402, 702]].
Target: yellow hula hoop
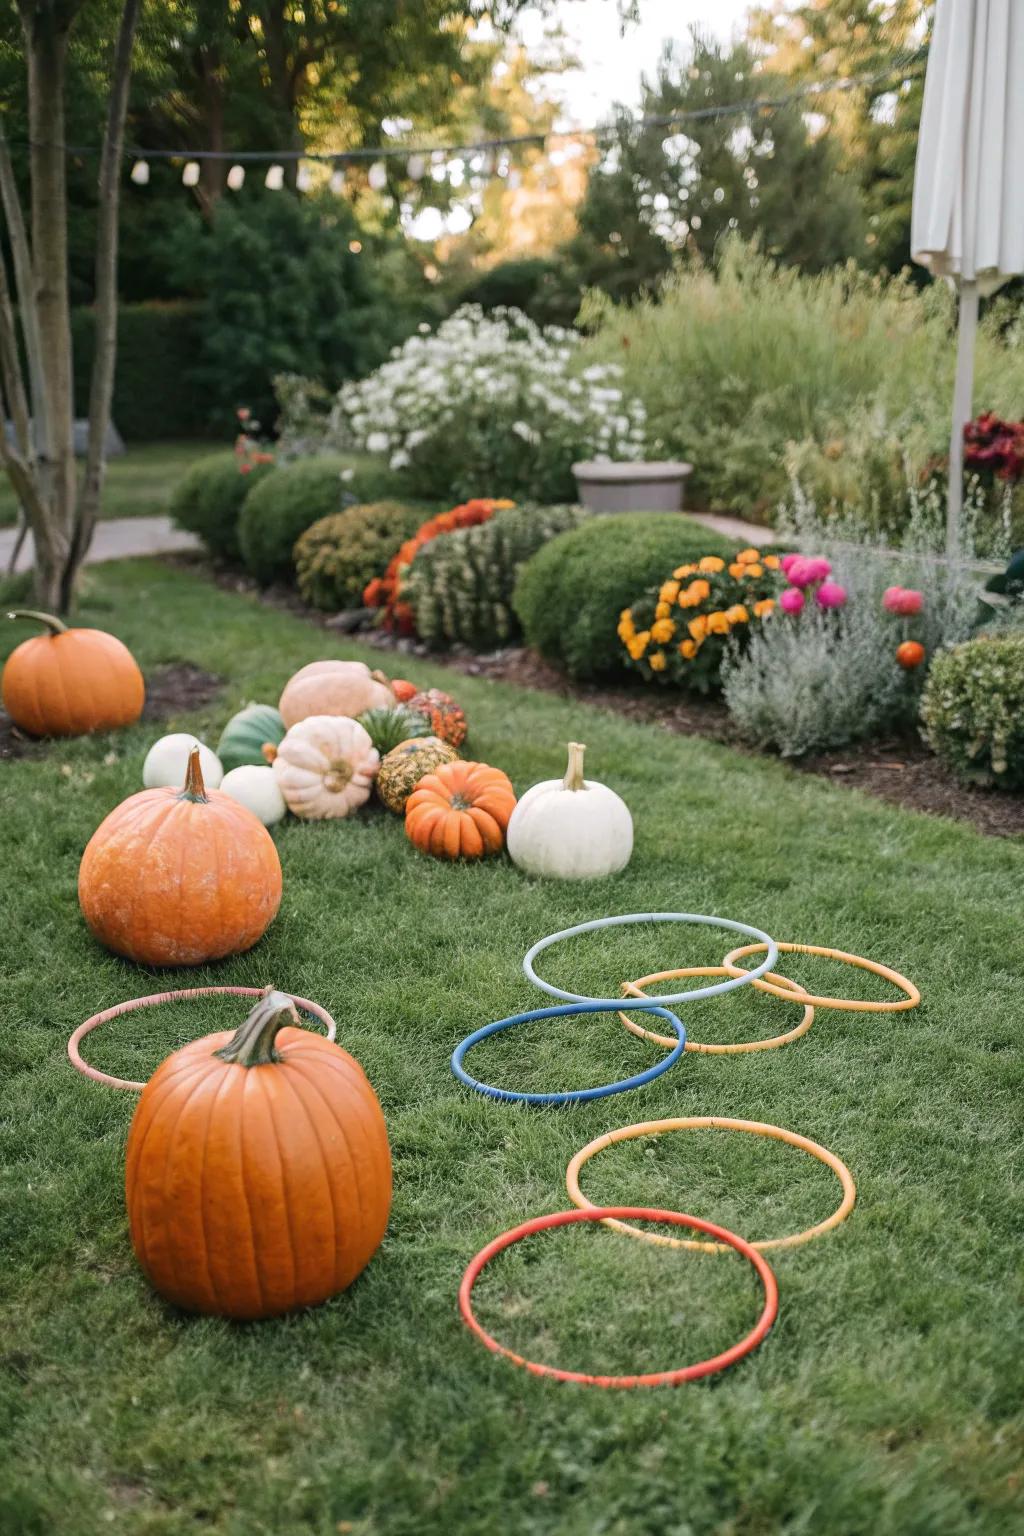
[[633, 988], [694, 1122], [851, 1005]]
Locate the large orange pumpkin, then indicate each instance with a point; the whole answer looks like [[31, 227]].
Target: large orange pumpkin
[[258, 1174], [69, 682], [460, 811], [180, 876]]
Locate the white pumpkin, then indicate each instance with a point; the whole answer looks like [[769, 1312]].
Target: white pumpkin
[[325, 767], [334, 688], [258, 790], [571, 828], [167, 762]]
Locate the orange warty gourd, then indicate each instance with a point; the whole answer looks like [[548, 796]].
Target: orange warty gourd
[[402, 690], [178, 877], [70, 682], [258, 1174], [460, 811]]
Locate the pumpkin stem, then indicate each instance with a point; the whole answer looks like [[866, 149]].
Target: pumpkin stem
[[382, 677], [56, 626], [194, 788], [574, 773], [252, 1044], [269, 751]]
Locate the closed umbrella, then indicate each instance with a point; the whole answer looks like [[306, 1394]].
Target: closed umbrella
[[968, 215]]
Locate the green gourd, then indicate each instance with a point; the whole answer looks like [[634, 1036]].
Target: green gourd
[[389, 727], [242, 742]]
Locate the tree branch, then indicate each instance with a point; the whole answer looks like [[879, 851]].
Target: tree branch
[[24, 279], [10, 372]]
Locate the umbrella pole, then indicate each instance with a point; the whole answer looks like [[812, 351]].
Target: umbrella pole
[[963, 392]]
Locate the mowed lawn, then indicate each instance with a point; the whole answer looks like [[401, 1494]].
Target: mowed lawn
[[887, 1399]]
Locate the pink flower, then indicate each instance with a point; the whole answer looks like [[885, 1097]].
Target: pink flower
[[787, 561], [902, 600], [830, 595], [804, 571], [791, 600]]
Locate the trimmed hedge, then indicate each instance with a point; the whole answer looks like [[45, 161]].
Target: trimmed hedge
[[973, 710], [154, 385], [281, 507], [570, 595], [337, 556], [208, 501]]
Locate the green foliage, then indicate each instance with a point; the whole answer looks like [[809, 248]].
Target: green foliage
[[460, 586], [570, 596], [281, 508], [388, 728], [539, 286], [154, 393], [208, 500], [973, 710], [339, 554]]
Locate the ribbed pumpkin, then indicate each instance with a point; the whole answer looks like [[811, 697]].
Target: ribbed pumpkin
[[408, 763], [388, 728], [258, 1174], [334, 688], [325, 767], [243, 738], [179, 877], [70, 682], [444, 716], [460, 811]]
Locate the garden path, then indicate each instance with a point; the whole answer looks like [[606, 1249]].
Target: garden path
[[117, 539]]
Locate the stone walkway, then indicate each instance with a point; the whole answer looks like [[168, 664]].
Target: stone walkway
[[118, 539]]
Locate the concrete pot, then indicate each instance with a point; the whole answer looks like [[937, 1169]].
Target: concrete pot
[[609, 487]]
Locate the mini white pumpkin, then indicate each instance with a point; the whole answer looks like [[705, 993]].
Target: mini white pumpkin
[[167, 762], [325, 767], [571, 828], [258, 790]]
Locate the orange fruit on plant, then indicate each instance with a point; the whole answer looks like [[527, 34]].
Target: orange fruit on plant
[[460, 811], [910, 654]]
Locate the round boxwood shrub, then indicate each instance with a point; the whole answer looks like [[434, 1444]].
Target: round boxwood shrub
[[281, 508], [208, 500], [337, 556], [973, 710], [570, 595]]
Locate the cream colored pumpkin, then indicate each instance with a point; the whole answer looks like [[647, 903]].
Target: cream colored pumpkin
[[571, 828], [334, 688], [325, 767]]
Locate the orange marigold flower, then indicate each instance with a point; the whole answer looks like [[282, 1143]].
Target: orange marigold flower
[[748, 556], [669, 592], [638, 644], [737, 614], [662, 610], [711, 563], [736, 570], [662, 631], [656, 661], [718, 623], [683, 571], [700, 590], [764, 607], [753, 571], [688, 650], [771, 562], [698, 627]]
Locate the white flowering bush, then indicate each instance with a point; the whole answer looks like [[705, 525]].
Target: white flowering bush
[[489, 405]]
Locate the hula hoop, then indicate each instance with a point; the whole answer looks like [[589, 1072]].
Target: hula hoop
[[633, 988], [575, 1096], [633, 1213], [695, 1122], [171, 997], [738, 978], [849, 1005]]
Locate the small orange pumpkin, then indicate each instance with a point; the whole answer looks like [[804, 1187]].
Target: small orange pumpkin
[[910, 654], [460, 811], [402, 690], [258, 1173], [179, 877], [70, 682]]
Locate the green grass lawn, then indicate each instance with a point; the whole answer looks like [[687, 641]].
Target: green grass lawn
[[138, 484], [887, 1399]]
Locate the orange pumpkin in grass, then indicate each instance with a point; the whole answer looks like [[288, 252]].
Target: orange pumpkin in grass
[[70, 682], [460, 811], [180, 876], [258, 1174]]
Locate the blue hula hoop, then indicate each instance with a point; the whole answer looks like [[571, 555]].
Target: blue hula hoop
[[578, 1096], [693, 996]]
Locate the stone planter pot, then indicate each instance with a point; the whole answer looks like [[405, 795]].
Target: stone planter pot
[[621, 487]]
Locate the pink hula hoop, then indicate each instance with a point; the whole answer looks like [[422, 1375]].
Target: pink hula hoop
[[171, 997]]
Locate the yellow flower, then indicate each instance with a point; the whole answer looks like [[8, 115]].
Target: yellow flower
[[662, 631], [718, 623], [684, 570], [626, 616], [737, 614], [698, 627], [771, 562], [748, 556], [764, 608], [657, 661], [669, 592], [753, 571], [711, 563], [688, 650], [624, 633], [736, 570], [663, 610]]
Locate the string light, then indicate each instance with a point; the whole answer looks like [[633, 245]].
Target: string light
[[236, 178], [190, 175], [275, 178], [337, 181], [377, 176], [304, 178], [416, 167], [140, 173]]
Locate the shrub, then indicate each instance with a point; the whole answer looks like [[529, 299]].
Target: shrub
[[387, 591], [281, 507], [460, 587], [208, 501], [678, 631], [489, 401], [540, 286], [154, 391], [973, 711], [340, 554], [570, 596]]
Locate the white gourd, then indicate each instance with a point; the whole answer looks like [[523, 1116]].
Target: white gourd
[[571, 828], [258, 790], [167, 762]]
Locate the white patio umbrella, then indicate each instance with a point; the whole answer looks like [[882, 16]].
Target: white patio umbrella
[[968, 214]]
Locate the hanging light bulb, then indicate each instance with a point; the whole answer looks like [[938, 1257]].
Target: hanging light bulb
[[415, 167], [140, 173], [515, 178], [377, 176], [236, 178], [303, 178], [190, 175], [274, 180], [337, 182]]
